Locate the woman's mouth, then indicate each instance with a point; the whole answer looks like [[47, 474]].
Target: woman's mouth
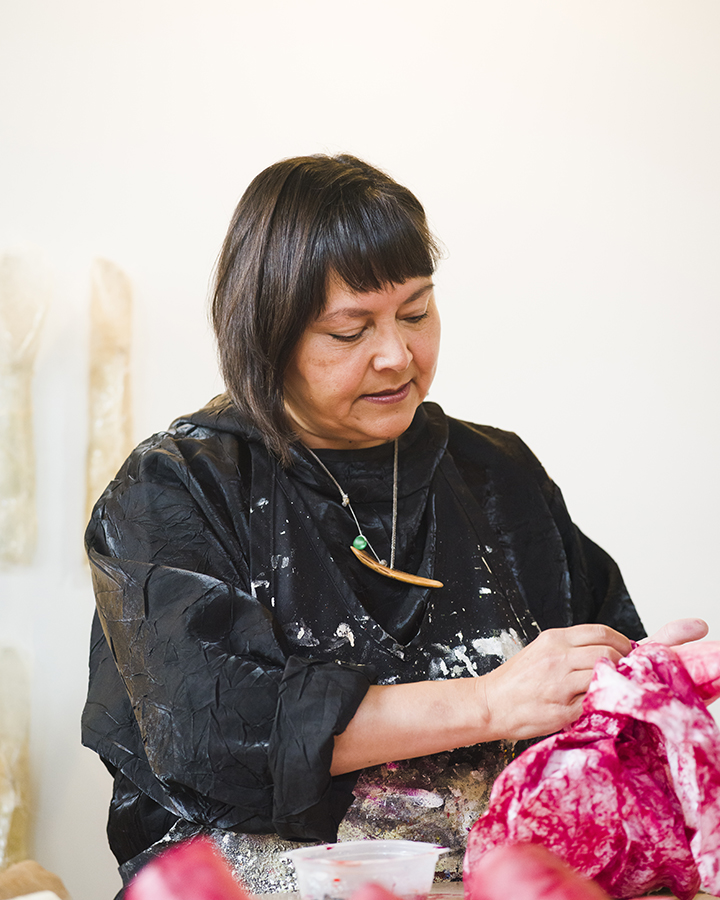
[[392, 395]]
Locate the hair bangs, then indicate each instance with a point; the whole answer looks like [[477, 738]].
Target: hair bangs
[[377, 241]]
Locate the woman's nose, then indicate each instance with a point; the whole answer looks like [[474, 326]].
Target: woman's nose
[[392, 351]]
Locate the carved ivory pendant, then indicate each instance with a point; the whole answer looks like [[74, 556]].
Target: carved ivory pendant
[[373, 564]]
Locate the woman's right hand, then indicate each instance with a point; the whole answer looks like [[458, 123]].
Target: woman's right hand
[[541, 689], [536, 692]]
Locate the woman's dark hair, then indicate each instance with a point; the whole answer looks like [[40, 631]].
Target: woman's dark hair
[[299, 223]]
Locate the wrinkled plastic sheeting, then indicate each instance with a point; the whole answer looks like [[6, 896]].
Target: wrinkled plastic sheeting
[[630, 794], [24, 298], [110, 416], [14, 767]]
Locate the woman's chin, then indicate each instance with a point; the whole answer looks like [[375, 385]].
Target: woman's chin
[[353, 439], [374, 427], [385, 432]]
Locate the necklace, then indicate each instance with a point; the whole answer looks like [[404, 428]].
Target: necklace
[[361, 542]]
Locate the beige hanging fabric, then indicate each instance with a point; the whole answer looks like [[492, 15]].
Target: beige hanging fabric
[[24, 298], [110, 415], [14, 767]]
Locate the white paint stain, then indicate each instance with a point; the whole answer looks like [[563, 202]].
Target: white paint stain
[[344, 632], [303, 635], [254, 585], [505, 645], [424, 799], [460, 653], [438, 669]]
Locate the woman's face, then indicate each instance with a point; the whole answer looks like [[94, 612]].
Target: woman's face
[[362, 368]]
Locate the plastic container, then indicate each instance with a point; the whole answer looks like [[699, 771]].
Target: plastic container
[[336, 871]]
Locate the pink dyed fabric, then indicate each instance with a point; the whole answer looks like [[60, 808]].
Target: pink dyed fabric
[[630, 794]]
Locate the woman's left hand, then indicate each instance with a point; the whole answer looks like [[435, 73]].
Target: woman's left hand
[[679, 631]]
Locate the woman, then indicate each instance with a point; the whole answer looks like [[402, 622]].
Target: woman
[[319, 590]]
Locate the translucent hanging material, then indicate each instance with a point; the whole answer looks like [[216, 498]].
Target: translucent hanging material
[[110, 415], [14, 768], [24, 298]]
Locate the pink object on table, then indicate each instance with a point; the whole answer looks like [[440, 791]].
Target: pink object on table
[[630, 794], [526, 872], [193, 870]]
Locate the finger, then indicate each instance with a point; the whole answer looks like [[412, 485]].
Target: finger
[[594, 633], [576, 707], [562, 690], [679, 631], [564, 715], [582, 659], [575, 684]]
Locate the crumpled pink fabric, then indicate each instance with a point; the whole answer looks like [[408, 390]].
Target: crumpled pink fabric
[[630, 794]]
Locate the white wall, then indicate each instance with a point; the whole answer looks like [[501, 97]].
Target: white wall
[[567, 154]]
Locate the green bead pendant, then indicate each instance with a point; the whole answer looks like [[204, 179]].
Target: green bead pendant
[[360, 542]]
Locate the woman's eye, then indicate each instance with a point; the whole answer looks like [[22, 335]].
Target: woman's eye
[[346, 338], [415, 319]]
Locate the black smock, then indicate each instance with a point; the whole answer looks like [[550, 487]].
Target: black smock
[[236, 634]]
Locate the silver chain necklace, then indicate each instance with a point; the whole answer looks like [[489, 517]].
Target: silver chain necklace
[[360, 543]]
